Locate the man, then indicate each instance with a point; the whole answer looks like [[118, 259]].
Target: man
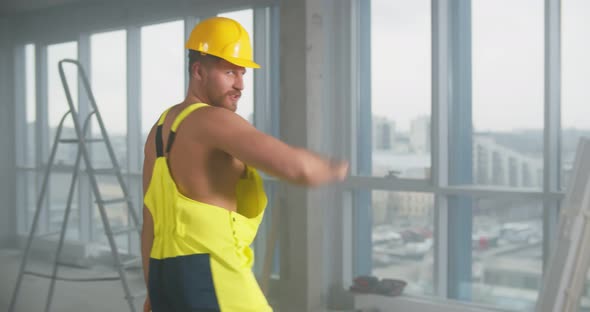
[[203, 199]]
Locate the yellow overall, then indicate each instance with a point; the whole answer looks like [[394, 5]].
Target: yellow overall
[[201, 259]]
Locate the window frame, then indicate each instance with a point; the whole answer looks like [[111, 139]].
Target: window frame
[[448, 17]]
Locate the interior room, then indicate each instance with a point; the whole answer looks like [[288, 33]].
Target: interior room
[[460, 127]]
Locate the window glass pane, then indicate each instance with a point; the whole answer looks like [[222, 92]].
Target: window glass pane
[[402, 238], [58, 195], [508, 92], [246, 103], [109, 85], [27, 199], [21, 201], [507, 252], [264, 234], [30, 204], [57, 102], [162, 70], [401, 88], [497, 164], [117, 213], [575, 94], [31, 109]]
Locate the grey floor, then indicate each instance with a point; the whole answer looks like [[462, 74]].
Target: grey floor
[[69, 296]]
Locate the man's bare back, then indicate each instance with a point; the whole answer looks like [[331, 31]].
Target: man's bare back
[[201, 172]]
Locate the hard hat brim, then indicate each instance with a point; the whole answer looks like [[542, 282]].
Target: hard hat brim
[[241, 62], [233, 60]]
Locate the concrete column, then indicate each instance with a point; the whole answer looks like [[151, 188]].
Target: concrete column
[[8, 224], [302, 85]]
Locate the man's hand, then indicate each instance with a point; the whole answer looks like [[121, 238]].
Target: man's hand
[[147, 305], [340, 169]]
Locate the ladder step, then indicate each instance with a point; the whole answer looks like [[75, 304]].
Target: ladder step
[[71, 279], [49, 234], [113, 201], [104, 171], [77, 140], [136, 262], [140, 294], [69, 264], [124, 230]]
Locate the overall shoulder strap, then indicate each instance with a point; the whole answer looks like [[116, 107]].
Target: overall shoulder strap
[[159, 141], [183, 114]]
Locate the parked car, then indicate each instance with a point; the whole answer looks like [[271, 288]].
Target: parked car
[[385, 234], [521, 233], [485, 238]]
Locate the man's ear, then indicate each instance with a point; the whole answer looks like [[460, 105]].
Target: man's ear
[[197, 70]]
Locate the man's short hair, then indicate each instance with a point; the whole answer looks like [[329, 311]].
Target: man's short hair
[[197, 56]]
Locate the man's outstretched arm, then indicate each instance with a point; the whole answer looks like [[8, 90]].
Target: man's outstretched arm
[[229, 132]]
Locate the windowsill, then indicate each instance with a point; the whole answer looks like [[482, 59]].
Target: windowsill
[[411, 303]]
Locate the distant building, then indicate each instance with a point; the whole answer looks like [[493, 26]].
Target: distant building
[[420, 135], [383, 133], [408, 156], [414, 204], [498, 165]]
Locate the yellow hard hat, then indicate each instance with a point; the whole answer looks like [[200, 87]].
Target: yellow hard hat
[[224, 38]]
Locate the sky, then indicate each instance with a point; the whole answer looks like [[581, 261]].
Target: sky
[[507, 54]]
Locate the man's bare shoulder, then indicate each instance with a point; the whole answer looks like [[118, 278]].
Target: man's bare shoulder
[[213, 120], [210, 112]]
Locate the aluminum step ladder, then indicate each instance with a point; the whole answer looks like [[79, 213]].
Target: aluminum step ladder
[[81, 141], [566, 276]]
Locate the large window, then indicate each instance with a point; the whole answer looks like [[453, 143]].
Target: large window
[[395, 229], [508, 127], [109, 84], [575, 94], [402, 238], [486, 202], [508, 92], [27, 177], [507, 252], [31, 109], [401, 88], [162, 71]]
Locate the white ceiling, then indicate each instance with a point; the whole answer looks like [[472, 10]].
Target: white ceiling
[[11, 7]]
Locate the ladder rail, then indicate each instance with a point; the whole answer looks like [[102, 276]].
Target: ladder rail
[[104, 134], [40, 200], [62, 234], [83, 154], [91, 176], [66, 218]]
